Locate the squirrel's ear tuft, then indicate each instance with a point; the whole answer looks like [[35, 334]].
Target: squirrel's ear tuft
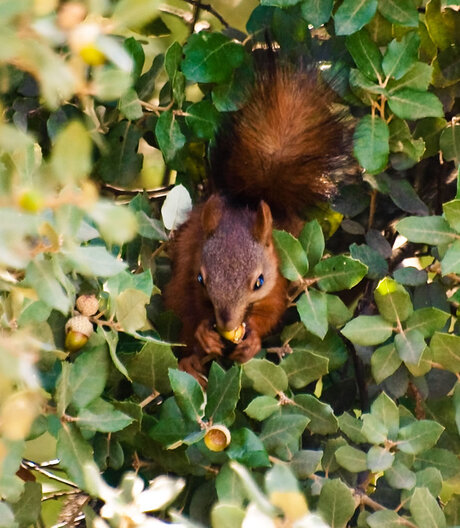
[[263, 224], [211, 214]]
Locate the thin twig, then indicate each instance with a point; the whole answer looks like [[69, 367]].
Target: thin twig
[[210, 9], [29, 464]]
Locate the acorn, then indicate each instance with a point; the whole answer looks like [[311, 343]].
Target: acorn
[[83, 40], [78, 331], [236, 335], [87, 304], [217, 438]]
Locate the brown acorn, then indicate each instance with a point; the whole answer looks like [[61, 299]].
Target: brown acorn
[[217, 438]]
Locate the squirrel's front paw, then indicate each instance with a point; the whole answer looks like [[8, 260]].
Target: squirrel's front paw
[[208, 338], [192, 365], [248, 348]]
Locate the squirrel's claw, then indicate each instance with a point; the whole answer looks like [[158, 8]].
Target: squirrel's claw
[[248, 348], [209, 340]]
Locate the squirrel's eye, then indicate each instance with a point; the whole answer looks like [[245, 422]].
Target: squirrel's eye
[[259, 282], [199, 278]]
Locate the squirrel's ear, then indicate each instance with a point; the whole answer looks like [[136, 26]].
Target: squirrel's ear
[[211, 214], [263, 224]]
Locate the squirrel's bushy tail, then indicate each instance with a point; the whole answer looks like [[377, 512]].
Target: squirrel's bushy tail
[[283, 145]]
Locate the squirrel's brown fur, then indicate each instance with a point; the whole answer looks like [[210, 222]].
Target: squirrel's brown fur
[[271, 160]]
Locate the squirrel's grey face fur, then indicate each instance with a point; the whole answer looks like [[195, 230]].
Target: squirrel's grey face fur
[[230, 282]]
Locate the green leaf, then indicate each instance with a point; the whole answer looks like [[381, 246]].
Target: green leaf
[[317, 12], [227, 515], [371, 143], [88, 374], [451, 260], [150, 366], [446, 462], [351, 459], [400, 476], [136, 52], [173, 58], [27, 509], [312, 308], [393, 301], [366, 54], [418, 78], [410, 276], [425, 509], [102, 416], [373, 429], [266, 377], [385, 410], [203, 119], [71, 154], [385, 361], [427, 321], [262, 407], [401, 12], [401, 56], [352, 15], [384, 519], [379, 459], [94, 261], [223, 392], [412, 104], [74, 452], [228, 486], [430, 130], [410, 346], [449, 142], [336, 503], [419, 436], [281, 434], [433, 230], [352, 427], [188, 394], [130, 105], [279, 3], [367, 330], [41, 276], [294, 262], [111, 338], [248, 449], [211, 57], [121, 162], [305, 462], [130, 310], [304, 366], [109, 83], [337, 311], [322, 418], [377, 266], [452, 213], [150, 228], [312, 240], [446, 351], [338, 273], [169, 135]]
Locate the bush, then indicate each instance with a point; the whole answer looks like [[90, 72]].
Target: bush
[[351, 415]]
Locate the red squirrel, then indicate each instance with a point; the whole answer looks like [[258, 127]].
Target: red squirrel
[[271, 160]]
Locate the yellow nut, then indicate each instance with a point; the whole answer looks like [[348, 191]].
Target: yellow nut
[[217, 438], [91, 55], [75, 340], [235, 335]]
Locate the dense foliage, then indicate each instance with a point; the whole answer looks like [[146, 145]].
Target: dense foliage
[[351, 415]]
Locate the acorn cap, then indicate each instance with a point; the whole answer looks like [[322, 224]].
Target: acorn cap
[[87, 304], [80, 324]]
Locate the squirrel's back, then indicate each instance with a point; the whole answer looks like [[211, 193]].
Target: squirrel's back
[[283, 145]]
